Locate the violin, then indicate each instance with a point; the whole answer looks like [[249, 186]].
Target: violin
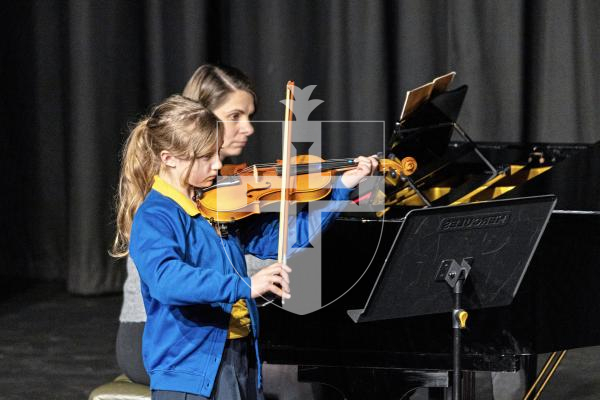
[[243, 190]]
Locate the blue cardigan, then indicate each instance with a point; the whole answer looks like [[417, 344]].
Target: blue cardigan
[[191, 278]]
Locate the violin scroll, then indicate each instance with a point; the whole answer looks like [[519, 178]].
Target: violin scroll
[[394, 169]]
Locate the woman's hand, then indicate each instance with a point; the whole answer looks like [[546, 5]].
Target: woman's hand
[[366, 166], [267, 279]]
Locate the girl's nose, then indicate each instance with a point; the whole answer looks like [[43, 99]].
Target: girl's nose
[[217, 164]]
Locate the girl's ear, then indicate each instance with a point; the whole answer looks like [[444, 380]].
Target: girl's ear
[[168, 159]]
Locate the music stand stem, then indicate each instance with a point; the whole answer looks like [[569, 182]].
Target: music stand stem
[[455, 274], [456, 347]]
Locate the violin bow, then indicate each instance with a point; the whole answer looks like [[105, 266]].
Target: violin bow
[[285, 177]]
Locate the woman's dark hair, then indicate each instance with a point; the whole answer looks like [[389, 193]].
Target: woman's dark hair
[[211, 84]]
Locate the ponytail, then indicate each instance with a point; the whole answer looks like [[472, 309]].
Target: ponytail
[[139, 165]]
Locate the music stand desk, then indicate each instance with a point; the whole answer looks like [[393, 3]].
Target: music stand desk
[[444, 258]]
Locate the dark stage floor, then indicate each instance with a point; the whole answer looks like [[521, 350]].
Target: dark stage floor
[[57, 346], [54, 345]]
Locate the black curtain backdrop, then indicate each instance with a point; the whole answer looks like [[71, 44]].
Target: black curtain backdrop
[[74, 74]]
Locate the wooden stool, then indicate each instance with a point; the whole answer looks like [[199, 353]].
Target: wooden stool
[[122, 388]]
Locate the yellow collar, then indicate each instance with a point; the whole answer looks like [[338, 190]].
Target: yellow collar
[[169, 191]]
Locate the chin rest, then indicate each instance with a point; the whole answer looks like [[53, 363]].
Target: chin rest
[[122, 388]]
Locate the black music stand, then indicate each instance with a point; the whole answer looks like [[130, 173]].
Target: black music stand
[[445, 258]]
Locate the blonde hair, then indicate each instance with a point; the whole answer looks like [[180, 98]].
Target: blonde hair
[[179, 125], [210, 85]]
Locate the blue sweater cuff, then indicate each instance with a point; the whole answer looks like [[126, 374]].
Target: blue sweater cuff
[[340, 191], [244, 289]]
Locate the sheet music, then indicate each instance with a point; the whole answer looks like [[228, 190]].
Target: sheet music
[[416, 97], [441, 83]]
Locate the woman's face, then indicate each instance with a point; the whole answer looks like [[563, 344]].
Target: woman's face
[[236, 113]]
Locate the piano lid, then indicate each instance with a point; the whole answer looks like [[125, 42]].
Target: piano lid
[[575, 180]]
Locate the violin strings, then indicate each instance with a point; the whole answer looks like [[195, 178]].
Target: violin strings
[[317, 167], [329, 164]]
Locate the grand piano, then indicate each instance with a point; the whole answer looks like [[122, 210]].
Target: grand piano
[[555, 307]]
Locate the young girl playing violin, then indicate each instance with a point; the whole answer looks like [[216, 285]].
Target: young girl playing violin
[[230, 95], [194, 344]]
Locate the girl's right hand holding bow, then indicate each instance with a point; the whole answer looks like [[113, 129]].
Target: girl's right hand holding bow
[[268, 279]]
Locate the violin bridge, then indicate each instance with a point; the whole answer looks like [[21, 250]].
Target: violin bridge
[[255, 173]]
